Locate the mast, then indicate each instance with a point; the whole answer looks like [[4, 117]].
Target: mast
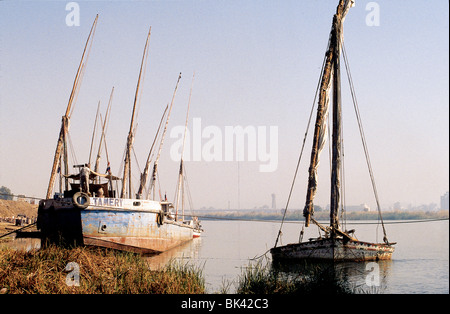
[[181, 172], [130, 138], [336, 137], [337, 114], [155, 164], [93, 131], [66, 118], [103, 125], [329, 72], [144, 175]]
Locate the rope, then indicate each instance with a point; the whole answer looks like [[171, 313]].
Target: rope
[[20, 229], [366, 152], [301, 151]]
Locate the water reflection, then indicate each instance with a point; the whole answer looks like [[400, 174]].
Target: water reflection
[[347, 277], [22, 244], [187, 251]]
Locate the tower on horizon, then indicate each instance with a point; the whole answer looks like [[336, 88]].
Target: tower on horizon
[[444, 201], [274, 204]]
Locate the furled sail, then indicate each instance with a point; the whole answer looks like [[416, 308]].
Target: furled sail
[[320, 134], [328, 73]]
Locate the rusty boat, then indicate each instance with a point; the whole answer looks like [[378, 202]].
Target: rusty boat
[[334, 244], [87, 211]]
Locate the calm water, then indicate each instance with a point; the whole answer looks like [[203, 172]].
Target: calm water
[[419, 264], [226, 248]]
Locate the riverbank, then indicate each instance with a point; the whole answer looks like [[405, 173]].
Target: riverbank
[[56, 270], [10, 208]]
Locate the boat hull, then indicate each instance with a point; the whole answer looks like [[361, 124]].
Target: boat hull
[[333, 250], [135, 227]]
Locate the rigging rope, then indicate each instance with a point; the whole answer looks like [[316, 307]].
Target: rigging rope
[[72, 150], [301, 151], [363, 139]]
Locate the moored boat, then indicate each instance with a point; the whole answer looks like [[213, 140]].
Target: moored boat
[[92, 213], [334, 249], [336, 244], [136, 225]]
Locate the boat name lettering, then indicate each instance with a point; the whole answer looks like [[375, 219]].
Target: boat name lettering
[[100, 201]]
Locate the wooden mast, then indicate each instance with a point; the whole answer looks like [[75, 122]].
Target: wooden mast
[[93, 131], [144, 175], [336, 137], [155, 164], [66, 118], [103, 125], [337, 116], [130, 138], [181, 172], [330, 71]]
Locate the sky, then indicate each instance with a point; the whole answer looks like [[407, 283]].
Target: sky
[[256, 65]]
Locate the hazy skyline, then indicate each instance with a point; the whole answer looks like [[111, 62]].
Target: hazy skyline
[[256, 66]]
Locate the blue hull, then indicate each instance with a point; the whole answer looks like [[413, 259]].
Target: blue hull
[[133, 231], [132, 225]]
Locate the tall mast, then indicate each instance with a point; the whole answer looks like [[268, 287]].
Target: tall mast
[[93, 131], [331, 66], [336, 138], [144, 175], [66, 118], [102, 137], [155, 164], [337, 114], [130, 138], [181, 172]]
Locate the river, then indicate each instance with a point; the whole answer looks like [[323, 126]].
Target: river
[[419, 264]]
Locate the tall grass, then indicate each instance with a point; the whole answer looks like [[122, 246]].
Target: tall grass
[[100, 271]]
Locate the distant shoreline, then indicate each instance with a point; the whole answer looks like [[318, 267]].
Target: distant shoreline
[[297, 216]]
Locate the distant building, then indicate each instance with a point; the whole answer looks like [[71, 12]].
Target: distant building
[[274, 204], [357, 208], [444, 201]]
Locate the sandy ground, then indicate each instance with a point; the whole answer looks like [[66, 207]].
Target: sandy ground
[[14, 208]]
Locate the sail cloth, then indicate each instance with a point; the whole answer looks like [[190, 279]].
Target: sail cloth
[[322, 138], [320, 135], [322, 110]]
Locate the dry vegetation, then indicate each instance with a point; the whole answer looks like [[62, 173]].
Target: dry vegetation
[[100, 272]]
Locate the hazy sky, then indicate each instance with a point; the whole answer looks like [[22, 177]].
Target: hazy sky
[[256, 66]]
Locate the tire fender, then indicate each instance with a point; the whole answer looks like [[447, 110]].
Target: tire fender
[[81, 200]]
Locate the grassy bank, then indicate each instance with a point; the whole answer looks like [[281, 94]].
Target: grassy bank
[[55, 270], [100, 271]]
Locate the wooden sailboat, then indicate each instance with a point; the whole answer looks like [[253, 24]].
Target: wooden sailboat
[[92, 214], [337, 244], [182, 182]]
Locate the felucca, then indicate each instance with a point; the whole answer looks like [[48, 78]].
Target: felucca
[[336, 244]]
